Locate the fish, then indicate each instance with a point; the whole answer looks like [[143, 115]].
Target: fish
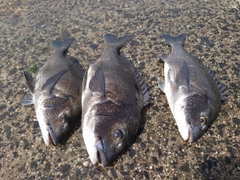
[[193, 92], [113, 97], [56, 93]]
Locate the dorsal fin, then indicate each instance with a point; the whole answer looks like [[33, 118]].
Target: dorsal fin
[[78, 65], [141, 82], [222, 88]]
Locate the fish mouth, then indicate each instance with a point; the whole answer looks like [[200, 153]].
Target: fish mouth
[[52, 136], [190, 138], [187, 133], [101, 153]]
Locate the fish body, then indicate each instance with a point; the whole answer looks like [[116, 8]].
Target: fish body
[[56, 93], [112, 99], [193, 92]]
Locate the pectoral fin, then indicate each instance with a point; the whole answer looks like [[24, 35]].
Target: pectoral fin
[[178, 75], [52, 81], [84, 80], [97, 83], [163, 58], [28, 100], [161, 84], [182, 76], [29, 81]]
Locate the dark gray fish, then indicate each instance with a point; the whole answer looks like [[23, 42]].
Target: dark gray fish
[[56, 93], [112, 99], [193, 92]]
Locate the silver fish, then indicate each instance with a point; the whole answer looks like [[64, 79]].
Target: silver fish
[[112, 99], [56, 93], [193, 92]]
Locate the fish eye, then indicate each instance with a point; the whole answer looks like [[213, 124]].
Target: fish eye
[[118, 134], [203, 120], [62, 118]]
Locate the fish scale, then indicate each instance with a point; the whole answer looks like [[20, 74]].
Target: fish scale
[[193, 92], [56, 93], [113, 97]]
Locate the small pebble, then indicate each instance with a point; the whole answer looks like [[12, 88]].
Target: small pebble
[[86, 163]]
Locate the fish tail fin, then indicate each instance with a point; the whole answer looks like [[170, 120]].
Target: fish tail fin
[[175, 40], [114, 41], [64, 45]]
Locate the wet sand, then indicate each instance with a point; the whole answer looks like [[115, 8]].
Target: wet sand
[[27, 29]]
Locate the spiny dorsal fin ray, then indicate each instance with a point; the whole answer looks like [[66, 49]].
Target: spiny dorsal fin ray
[[222, 88], [76, 63], [141, 82]]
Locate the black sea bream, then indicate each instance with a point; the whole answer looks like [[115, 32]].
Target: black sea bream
[[56, 93], [193, 92], [112, 99]]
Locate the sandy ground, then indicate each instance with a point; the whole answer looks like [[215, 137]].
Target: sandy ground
[[26, 31]]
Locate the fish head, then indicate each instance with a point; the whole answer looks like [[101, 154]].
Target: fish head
[[56, 122], [112, 138], [59, 126], [107, 137], [194, 114]]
